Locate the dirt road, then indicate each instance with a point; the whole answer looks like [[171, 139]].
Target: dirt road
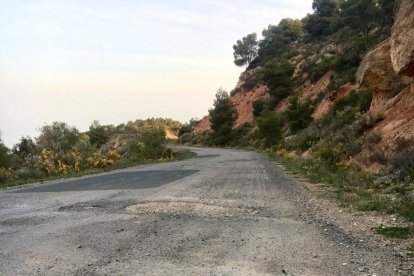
[[224, 212]]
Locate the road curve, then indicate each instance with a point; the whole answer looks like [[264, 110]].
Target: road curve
[[224, 212]]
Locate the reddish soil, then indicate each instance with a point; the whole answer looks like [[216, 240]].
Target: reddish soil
[[330, 100]]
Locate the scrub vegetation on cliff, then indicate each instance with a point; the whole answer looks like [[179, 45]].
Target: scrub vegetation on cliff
[[331, 96]]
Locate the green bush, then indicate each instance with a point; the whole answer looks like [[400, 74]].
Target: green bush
[[5, 156], [277, 75], [269, 127], [402, 144], [26, 152], [240, 136], [98, 134], [303, 140], [6, 174], [148, 145], [58, 137], [378, 157], [250, 83], [259, 106], [361, 100], [328, 155], [320, 67], [299, 114], [374, 138], [222, 118], [403, 161]]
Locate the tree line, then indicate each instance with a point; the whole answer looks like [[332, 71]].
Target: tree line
[[61, 149]]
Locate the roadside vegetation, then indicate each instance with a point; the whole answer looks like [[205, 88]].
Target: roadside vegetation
[[62, 151], [334, 38]]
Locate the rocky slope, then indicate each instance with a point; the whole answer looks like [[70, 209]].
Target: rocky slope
[[386, 71]]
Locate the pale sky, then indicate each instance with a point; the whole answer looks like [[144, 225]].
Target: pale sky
[[119, 60]]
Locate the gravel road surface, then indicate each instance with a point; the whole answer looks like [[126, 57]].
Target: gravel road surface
[[224, 212]]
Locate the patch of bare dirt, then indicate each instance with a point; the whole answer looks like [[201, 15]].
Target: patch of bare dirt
[[330, 100], [189, 208], [311, 90]]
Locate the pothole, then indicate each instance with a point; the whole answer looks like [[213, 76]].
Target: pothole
[[189, 208], [79, 207]]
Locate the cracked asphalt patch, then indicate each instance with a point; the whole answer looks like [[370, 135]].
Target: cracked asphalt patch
[[115, 181]]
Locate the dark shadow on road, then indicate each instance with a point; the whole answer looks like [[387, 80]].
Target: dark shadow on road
[[114, 181]]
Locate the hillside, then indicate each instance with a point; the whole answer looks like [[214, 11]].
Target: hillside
[[331, 76]]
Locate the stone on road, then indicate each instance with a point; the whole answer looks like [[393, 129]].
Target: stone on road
[[224, 212]]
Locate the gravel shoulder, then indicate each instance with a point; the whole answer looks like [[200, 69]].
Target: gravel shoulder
[[224, 212]]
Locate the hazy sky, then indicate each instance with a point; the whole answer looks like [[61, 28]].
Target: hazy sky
[[119, 60]]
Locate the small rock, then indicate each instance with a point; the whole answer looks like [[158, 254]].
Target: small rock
[[284, 271], [79, 246]]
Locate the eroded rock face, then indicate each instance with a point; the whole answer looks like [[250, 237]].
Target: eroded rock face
[[377, 74], [376, 71], [402, 39], [203, 125], [323, 108]]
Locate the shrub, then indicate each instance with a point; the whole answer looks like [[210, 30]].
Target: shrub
[[269, 127], [250, 83], [376, 118], [222, 118], [364, 100], [277, 74], [85, 148], [360, 100], [299, 115], [52, 163], [235, 91], [5, 156], [259, 106], [240, 136], [320, 67], [147, 146], [46, 162], [378, 157], [98, 135], [6, 174], [186, 138], [304, 140], [58, 137], [374, 138], [402, 144], [72, 161], [403, 161], [99, 161], [328, 155], [26, 150]]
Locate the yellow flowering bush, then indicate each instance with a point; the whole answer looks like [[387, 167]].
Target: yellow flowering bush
[[72, 160], [6, 174], [63, 168], [99, 161], [46, 162], [52, 163], [113, 155]]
